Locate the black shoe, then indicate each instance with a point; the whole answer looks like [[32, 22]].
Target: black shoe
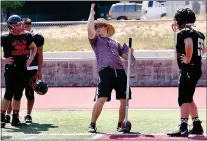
[[92, 128], [119, 127], [182, 132], [3, 124], [15, 120], [197, 128], [7, 119], [28, 119]]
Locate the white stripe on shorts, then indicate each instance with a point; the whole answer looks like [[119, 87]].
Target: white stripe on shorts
[[32, 68]]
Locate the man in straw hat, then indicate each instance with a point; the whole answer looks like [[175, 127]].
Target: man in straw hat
[[110, 69]]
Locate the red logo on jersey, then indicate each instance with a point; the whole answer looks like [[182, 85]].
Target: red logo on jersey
[[20, 48]]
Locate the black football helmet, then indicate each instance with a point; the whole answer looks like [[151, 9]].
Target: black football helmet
[[39, 86], [15, 20], [182, 18]]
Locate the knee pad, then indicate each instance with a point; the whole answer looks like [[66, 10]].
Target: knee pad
[[8, 96]]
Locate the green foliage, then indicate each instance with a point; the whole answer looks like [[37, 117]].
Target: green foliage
[[11, 5]]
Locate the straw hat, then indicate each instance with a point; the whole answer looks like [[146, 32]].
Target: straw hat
[[111, 29]]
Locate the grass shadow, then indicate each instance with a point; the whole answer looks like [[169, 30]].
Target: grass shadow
[[5, 137], [34, 128]]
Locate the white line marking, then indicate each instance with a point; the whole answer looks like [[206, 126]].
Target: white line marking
[[29, 138], [85, 134], [97, 136], [50, 134]]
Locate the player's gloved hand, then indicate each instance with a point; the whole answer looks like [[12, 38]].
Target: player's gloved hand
[[8, 60]]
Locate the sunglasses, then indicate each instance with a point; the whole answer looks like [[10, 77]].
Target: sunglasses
[[28, 23], [99, 26]]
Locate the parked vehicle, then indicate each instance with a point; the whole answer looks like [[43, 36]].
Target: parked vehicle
[[154, 9], [125, 11]]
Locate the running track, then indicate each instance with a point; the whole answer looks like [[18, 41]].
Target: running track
[[62, 98]]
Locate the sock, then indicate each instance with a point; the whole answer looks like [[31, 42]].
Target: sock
[[195, 119], [16, 112], [3, 116], [93, 124], [184, 124], [184, 120], [3, 112], [119, 124]]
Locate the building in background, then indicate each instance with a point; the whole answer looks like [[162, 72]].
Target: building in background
[[199, 7]]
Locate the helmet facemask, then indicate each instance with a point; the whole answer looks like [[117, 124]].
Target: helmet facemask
[[183, 18]]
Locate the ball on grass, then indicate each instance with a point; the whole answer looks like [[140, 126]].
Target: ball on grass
[[126, 126]]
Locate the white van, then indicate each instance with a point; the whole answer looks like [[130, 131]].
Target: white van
[[154, 9]]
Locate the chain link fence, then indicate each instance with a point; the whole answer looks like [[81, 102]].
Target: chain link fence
[[148, 34], [72, 35]]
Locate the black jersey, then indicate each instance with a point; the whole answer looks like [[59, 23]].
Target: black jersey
[[39, 41], [17, 46], [198, 44]]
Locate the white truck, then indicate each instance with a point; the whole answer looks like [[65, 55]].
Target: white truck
[[154, 9]]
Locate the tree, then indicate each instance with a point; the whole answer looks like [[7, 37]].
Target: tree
[[11, 6]]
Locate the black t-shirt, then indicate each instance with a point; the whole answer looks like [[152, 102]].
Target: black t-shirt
[[198, 44], [39, 41], [17, 46]]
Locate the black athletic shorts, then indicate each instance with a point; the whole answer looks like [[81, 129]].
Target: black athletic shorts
[[187, 83], [110, 79], [15, 81]]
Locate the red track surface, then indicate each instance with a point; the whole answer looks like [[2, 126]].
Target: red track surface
[[82, 98], [149, 137]]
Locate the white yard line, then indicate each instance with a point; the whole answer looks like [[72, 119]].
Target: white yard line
[[49, 134], [34, 136]]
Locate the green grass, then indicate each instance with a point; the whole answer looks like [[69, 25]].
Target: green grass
[[48, 123]]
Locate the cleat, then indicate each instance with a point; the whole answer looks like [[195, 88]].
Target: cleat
[[182, 132], [197, 128], [92, 128], [28, 119], [15, 121]]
